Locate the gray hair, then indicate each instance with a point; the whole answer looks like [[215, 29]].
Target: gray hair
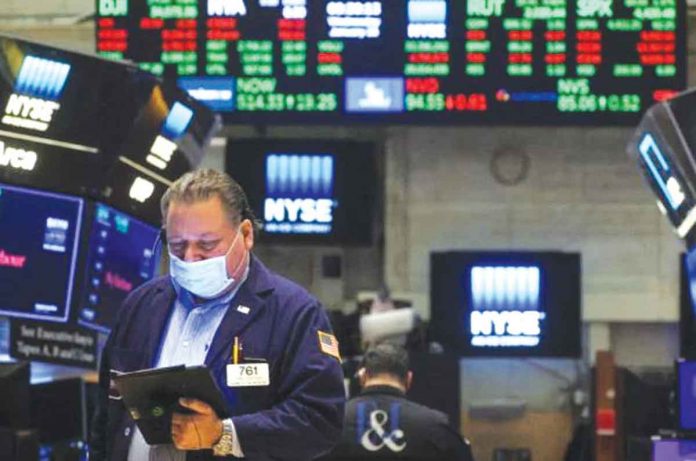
[[386, 358], [200, 185]]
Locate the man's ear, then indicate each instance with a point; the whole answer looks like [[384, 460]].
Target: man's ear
[[409, 380], [362, 376], [247, 229]]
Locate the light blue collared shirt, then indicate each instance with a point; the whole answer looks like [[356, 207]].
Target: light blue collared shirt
[[188, 338]]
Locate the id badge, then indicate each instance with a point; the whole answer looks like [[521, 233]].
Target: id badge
[[248, 375]]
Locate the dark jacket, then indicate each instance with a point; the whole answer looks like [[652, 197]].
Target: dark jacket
[[298, 417], [381, 424]]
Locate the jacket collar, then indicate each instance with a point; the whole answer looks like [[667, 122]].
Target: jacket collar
[[381, 390], [246, 305]]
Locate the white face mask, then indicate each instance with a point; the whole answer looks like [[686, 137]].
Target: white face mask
[[206, 278]]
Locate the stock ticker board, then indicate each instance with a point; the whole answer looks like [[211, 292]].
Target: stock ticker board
[[428, 62]]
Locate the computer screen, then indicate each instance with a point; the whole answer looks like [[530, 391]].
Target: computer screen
[[14, 389], [319, 192], [407, 61], [506, 303], [121, 256], [39, 234], [674, 450], [686, 394]]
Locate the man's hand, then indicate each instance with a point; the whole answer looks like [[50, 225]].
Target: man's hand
[[197, 431]]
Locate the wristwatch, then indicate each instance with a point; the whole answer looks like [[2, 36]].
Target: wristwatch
[[225, 445]]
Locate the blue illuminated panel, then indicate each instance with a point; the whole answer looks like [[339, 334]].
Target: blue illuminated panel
[[42, 78], [216, 93], [668, 184], [364, 95], [661, 172], [177, 121], [505, 306], [299, 193], [674, 450], [686, 374]]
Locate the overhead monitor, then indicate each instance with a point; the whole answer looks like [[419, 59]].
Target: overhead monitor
[[424, 62], [89, 126], [39, 239], [63, 115], [493, 304], [121, 256], [663, 145], [314, 191]]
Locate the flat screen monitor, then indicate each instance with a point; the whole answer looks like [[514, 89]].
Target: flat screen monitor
[[39, 237], [318, 192], [407, 61], [492, 304], [121, 256], [14, 389], [673, 450]]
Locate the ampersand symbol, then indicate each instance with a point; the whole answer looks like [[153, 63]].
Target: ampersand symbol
[[378, 421]]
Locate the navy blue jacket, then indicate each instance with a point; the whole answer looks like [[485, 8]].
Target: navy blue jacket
[[298, 417], [381, 424]]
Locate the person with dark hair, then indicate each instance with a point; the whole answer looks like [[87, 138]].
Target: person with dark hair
[[221, 307], [382, 424]]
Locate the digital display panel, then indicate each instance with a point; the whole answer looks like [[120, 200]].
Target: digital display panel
[[120, 258], [39, 235], [408, 61], [506, 304], [686, 380], [308, 191], [89, 126]]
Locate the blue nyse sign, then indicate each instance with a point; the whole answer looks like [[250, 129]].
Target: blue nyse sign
[[38, 88], [299, 193], [506, 308]]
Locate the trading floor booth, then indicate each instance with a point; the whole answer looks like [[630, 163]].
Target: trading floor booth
[[87, 148]]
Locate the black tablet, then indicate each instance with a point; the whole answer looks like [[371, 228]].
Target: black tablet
[[152, 395]]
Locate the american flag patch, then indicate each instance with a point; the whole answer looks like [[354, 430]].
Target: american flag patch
[[328, 344]]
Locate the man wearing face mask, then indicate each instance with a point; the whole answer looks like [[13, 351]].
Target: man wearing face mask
[[219, 299]]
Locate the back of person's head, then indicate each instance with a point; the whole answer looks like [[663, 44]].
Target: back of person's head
[[203, 184], [386, 359]]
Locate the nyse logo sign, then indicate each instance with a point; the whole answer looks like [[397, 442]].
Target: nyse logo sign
[[506, 328], [305, 210], [505, 303], [299, 189], [19, 159], [38, 87]]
